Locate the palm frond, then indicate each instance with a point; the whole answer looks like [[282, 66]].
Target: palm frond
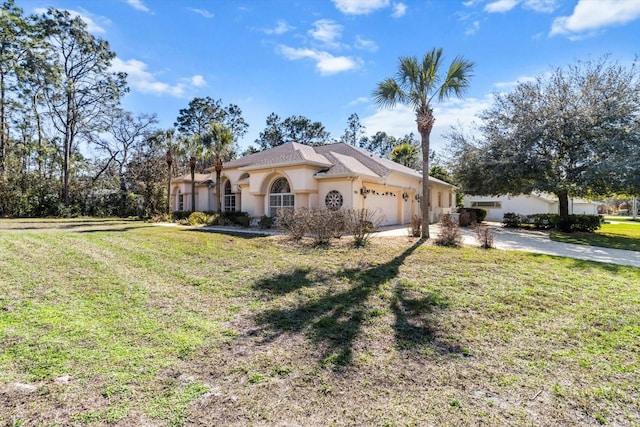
[[458, 78], [388, 93]]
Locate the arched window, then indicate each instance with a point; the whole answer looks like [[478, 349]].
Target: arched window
[[280, 196], [229, 198]]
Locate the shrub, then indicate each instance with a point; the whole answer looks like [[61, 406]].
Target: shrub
[[180, 215], [584, 223], [511, 220], [292, 222], [242, 220], [416, 226], [265, 222], [162, 217], [467, 217], [484, 236], [197, 218], [321, 223], [361, 223], [481, 214], [449, 232]]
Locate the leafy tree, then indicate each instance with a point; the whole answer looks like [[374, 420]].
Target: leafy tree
[[354, 134], [196, 118], [14, 42], [405, 154], [380, 144], [273, 133], [123, 136], [298, 129], [416, 84], [146, 174], [85, 89], [441, 173], [218, 145], [575, 133]]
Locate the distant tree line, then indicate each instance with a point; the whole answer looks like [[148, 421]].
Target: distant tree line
[[67, 147]]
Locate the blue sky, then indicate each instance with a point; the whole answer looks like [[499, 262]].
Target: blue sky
[[323, 58]]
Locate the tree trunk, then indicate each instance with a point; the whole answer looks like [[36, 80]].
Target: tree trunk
[[218, 166], [426, 197], [169, 188], [563, 205], [425, 120], [4, 139], [192, 166], [68, 143]]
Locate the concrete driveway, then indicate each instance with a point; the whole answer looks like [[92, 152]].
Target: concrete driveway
[[537, 242]]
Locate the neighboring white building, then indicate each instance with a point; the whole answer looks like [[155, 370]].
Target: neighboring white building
[[535, 203], [333, 175]]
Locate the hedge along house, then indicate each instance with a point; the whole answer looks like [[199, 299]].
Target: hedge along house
[[333, 176]]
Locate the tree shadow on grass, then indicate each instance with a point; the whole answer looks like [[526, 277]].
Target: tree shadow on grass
[[333, 321], [230, 232]]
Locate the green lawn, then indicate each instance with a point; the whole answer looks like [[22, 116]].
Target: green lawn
[[623, 235], [124, 323]]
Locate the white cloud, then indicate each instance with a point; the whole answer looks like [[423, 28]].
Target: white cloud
[[202, 12], [473, 28], [589, 16], [198, 81], [544, 6], [501, 6], [142, 80], [365, 44], [401, 120], [516, 82], [325, 62], [280, 28], [138, 5], [327, 31], [92, 26], [399, 9], [360, 7], [358, 101]]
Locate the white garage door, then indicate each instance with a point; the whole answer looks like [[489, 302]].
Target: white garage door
[[387, 205]]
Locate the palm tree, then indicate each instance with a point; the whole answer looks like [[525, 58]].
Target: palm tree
[[405, 154], [218, 144], [170, 141], [417, 84], [192, 148]]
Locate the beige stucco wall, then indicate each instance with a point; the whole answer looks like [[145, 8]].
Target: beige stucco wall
[[252, 188]]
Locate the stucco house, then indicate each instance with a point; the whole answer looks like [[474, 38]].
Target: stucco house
[[526, 204], [335, 176]]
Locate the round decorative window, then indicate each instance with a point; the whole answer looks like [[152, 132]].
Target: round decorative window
[[333, 200]]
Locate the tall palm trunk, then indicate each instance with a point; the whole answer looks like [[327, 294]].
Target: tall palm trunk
[[169, 159], [425, 120], [192, 166], [218, 167]]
